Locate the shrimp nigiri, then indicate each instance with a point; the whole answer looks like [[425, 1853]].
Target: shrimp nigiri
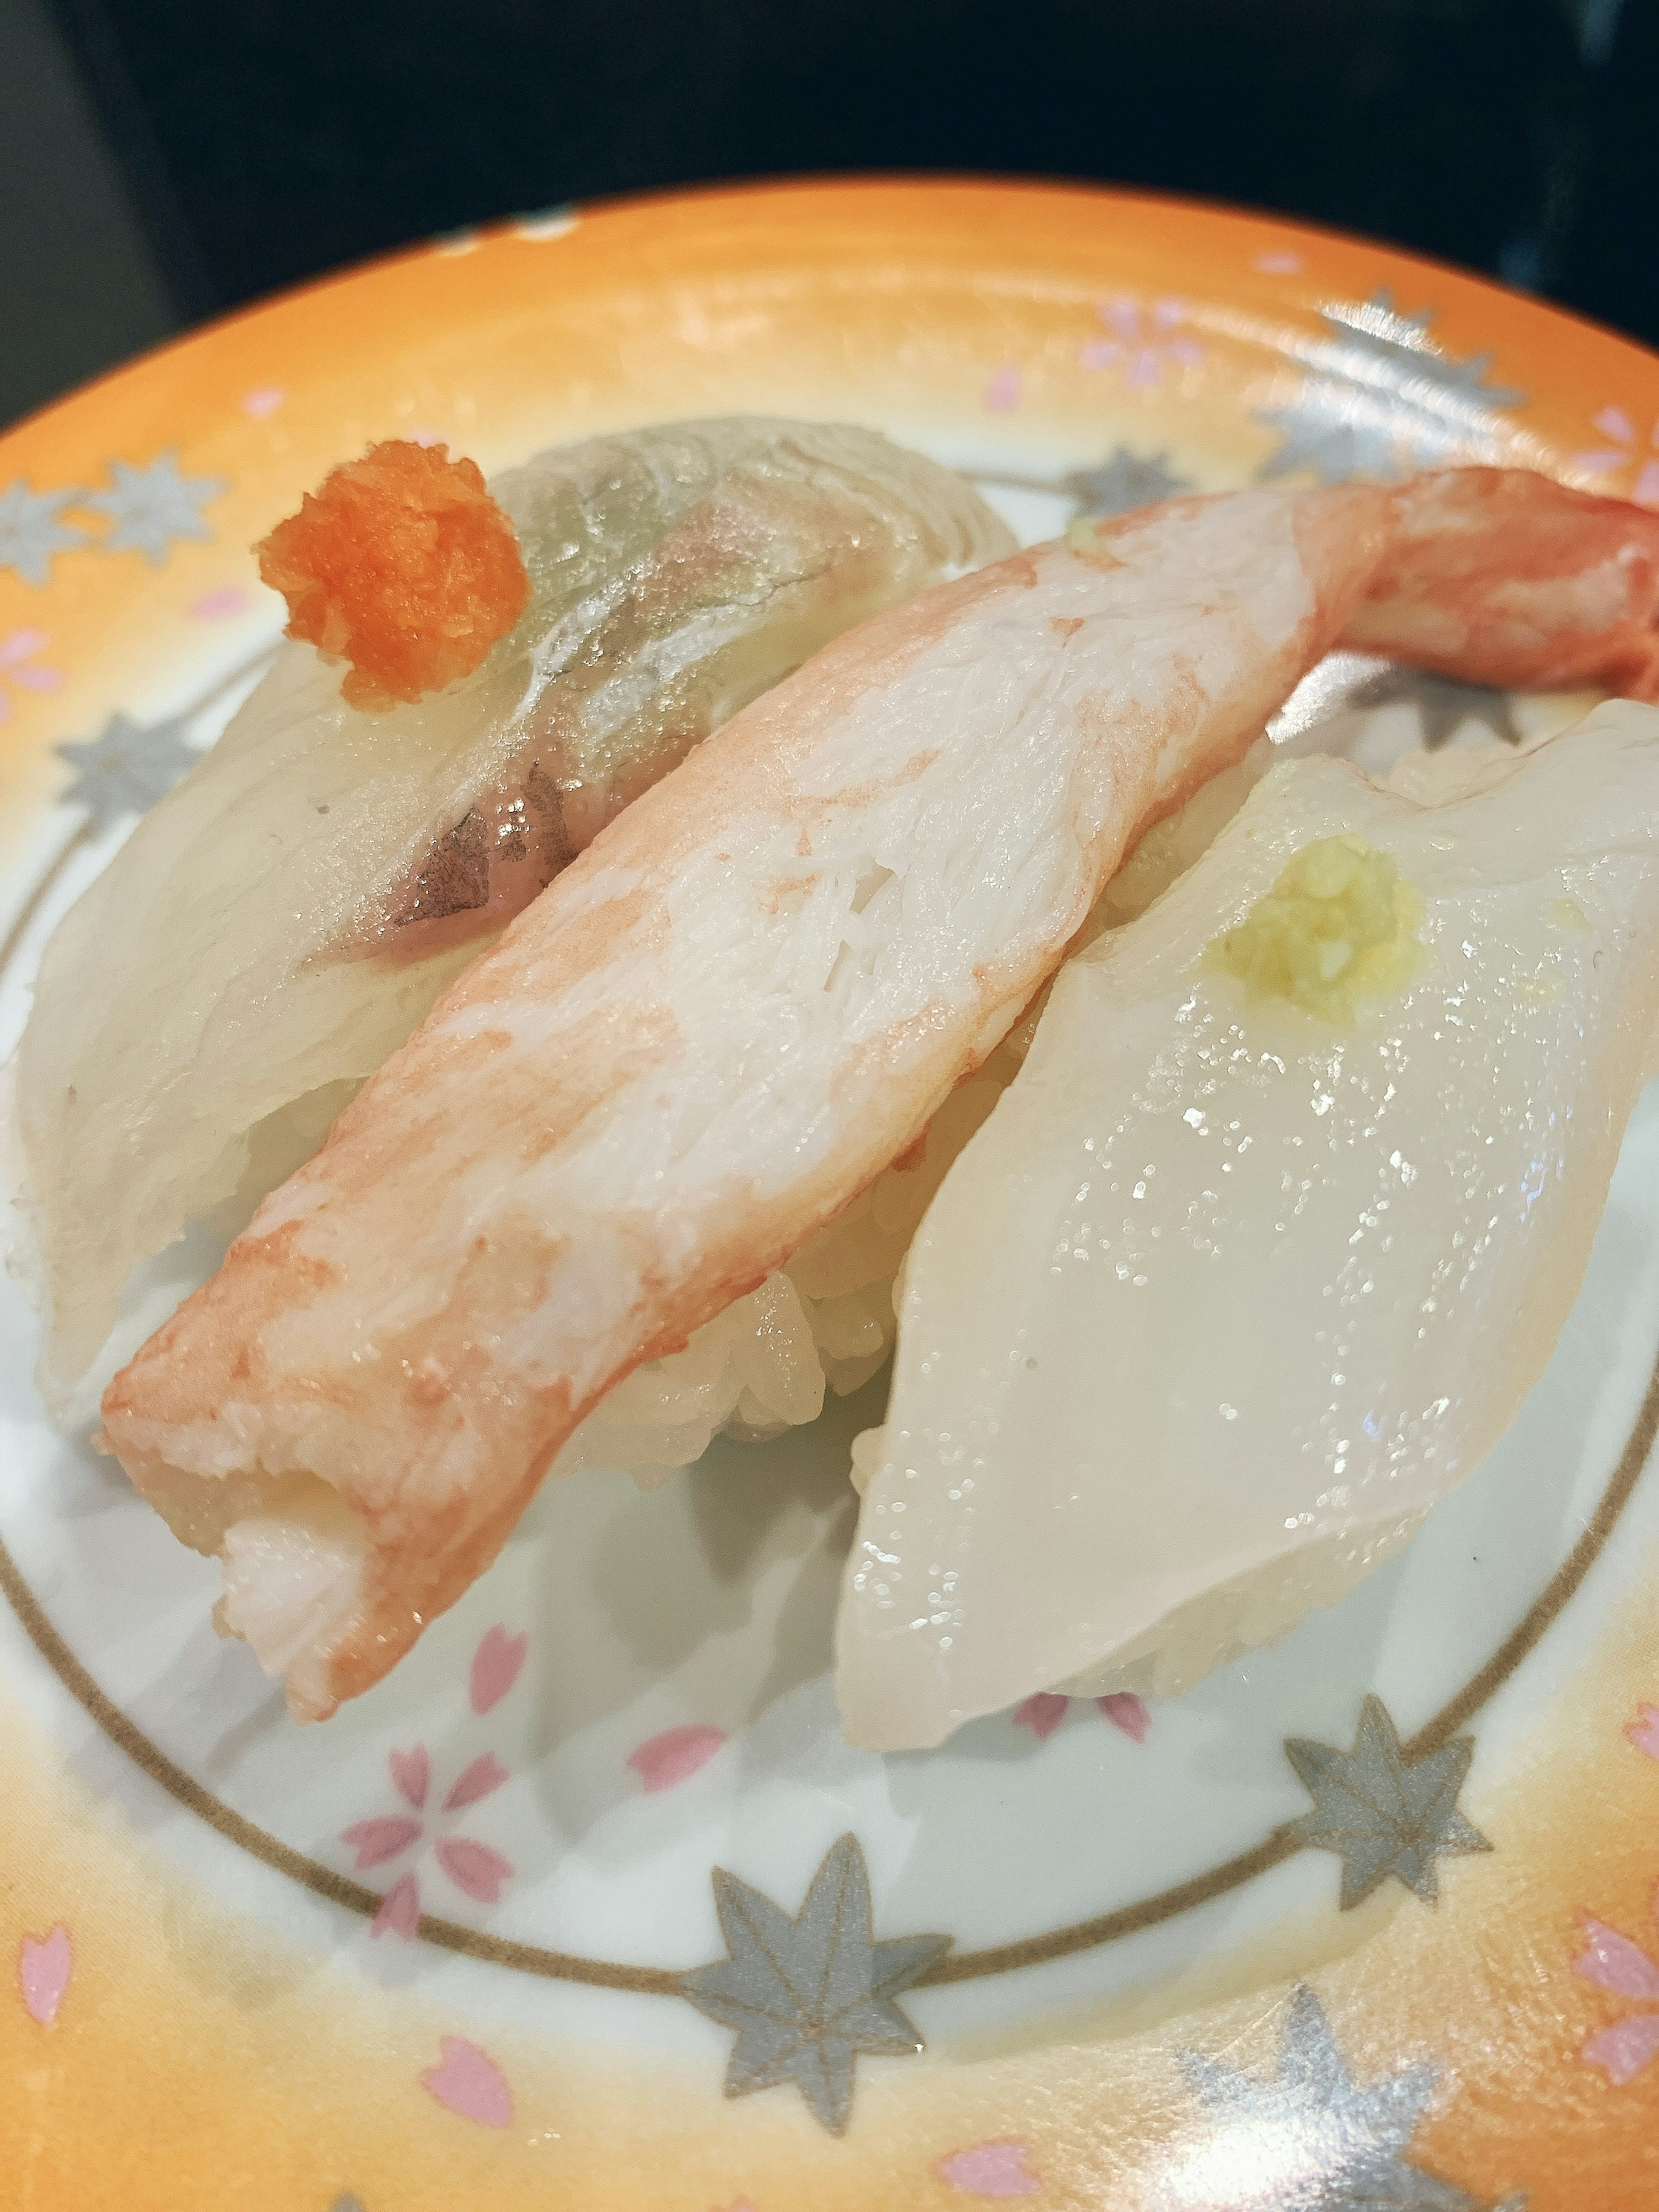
[[282, 921], [750, 993]]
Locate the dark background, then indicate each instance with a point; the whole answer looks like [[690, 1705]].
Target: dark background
[[162, 160]]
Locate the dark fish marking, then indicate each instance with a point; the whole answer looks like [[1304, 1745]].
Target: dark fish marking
[[544, 799], [456, 877], [474, 877]]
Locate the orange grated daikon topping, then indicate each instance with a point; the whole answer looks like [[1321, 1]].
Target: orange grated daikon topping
[[402, 564]]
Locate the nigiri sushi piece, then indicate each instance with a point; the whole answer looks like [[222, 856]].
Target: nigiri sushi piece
[[824, 1318], [404, 567], [1261, 1250], [283, 920], [744, 1001]]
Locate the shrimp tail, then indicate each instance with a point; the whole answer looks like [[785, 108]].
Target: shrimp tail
[[751, 992], [1501, 577]]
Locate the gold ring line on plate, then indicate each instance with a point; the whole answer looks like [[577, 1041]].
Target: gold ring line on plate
[[959, 1967], [663, 1981]]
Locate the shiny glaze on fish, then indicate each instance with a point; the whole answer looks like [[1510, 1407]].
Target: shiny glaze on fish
[[279, 923], [1226, 1294], [750, 994]]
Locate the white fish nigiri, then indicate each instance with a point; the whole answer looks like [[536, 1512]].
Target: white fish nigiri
[[1226, 1294], [752, 994], [284, 919], [717, 1027]]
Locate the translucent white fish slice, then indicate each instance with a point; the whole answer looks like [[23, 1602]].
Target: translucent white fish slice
[[1223, 1296], [284, 919], [760, 984]]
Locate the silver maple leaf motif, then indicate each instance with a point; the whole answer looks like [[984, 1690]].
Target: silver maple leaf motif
[[1122, 482], [126, 768], [1381, 394], [1309, 2138], [809, 1995], [30, 532], [1385, 1813], [149, 507], [1443, 705], [1125, 481], [1343, 682]]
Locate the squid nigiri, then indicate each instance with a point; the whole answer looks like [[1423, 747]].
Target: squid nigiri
[[282, 921], [749, 996], [1269, 1238]]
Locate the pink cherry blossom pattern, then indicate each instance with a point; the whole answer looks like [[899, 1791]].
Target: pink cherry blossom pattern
[[264, 401], [1623, 452], [1142, 343], [45, 1964], [20, 665], [411, 1772], [1042, 1713], [486, 1773], [1612, 1962], [1002, 393], [1625, 2048], [995, 2169], [1126, 1712], [469, 2082], [497, 1665], [474, 1868], [1644, 1730], [221, 604], [400, 1910], [675, 1755], [376, 1841]]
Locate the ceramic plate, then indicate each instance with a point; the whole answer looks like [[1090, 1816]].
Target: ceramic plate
[[1366, 1920]]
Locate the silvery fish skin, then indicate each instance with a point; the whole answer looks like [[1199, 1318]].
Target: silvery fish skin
[[280, 922], [1223, 1296]]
